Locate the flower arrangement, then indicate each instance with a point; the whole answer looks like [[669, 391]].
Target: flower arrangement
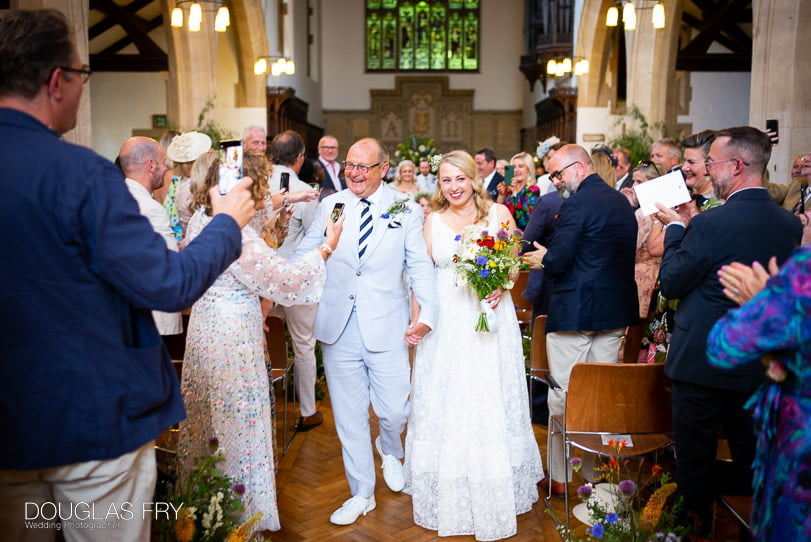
[[208, 504], [416, 149], [486, 262], [627, 510]]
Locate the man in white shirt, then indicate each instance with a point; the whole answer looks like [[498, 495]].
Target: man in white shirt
[[485, 159], [328, 155], [426, 181], [623, 168], [287, 150], [143, 162], [254, 138]]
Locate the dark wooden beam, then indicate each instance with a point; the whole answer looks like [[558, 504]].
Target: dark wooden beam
[[133, 26], [129, 63], [713, 27], [711, 62], [126, 40], [108, 22]]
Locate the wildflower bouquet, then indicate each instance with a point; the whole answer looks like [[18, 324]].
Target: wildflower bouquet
[[415, 149], [628, 510], [208, 505], [486, 262]]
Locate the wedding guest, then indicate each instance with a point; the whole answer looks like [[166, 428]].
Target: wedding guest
[[425, 179], [666, 152], [646, 268], [183, 151], [225, 380], [255, 139], [486, 165], [166, 194], [520, 196], [424, 199], [472, 465], [773, 328], [605, 164], [404, 179]]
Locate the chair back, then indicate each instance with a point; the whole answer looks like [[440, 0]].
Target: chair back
[[538, 361], [633, 342], [276, 343], [523, 308], [619, 398]]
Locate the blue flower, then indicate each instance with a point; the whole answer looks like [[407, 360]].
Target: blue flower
[[457, 237], [481, 260], [597, 530], [612, 518], [483, 273], [384, 215]]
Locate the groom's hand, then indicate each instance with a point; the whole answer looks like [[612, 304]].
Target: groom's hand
[[415, 332]]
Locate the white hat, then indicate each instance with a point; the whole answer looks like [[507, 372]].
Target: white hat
[[188, 147]]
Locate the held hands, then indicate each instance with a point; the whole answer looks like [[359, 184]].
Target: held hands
[[415, 332], [742, 282], [237, 203], [534, 258]]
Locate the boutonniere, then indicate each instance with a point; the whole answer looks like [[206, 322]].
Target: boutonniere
[[397, 209]]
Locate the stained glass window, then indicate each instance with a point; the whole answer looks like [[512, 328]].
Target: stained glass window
[[422, 35]]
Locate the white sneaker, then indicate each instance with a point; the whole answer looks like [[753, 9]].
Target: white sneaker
[[392, 469], [352, 509]]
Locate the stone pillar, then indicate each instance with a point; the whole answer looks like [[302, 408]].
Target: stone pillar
[[192, 67], [781, 78], [652, 64], [76, 11]]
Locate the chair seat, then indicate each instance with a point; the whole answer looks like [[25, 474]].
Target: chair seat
[[592, 442], [740, 506]]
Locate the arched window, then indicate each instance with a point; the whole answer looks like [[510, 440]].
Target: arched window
[[422, 35]]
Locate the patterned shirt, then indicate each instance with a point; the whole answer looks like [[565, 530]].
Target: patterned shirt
[[522, 204]]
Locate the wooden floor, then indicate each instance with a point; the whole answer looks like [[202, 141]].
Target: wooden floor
[[311, 484]]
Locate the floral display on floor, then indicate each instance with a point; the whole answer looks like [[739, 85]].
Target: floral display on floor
[[415, 149], [623, 509]]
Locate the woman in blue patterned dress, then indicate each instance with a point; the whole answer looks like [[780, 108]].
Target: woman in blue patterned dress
[[775, 325]]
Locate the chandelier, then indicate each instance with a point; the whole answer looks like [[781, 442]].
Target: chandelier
[[195, 18], [281, 65], [629, 14]]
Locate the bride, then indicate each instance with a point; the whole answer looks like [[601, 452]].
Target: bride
[[471, 463]]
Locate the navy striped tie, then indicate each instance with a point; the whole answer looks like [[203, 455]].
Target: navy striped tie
[[365, 226]]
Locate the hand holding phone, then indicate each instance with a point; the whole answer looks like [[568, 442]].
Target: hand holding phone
[[336, 213], [771, 126], [509, 171], [284, 182], [230, 171]]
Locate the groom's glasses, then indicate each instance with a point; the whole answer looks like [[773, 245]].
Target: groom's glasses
[[349, 166]]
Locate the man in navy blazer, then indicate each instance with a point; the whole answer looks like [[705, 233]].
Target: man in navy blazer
[[87, 384], [485, 159], [539, 230], [591, 259], [749, 227]]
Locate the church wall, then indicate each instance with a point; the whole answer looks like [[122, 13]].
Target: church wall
[[717, 100]]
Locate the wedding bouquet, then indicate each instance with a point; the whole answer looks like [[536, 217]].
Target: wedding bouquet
[[486, 262]]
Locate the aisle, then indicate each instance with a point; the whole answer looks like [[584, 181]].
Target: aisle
[[311, 485]]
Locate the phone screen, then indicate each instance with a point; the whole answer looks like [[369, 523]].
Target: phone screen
[[771, 124], [230, 171], [337, 211], [508, 174], [284, 182]]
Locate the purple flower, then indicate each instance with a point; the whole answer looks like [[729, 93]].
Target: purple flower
[[584, 491], [575, 462], [503, 235], [484, 272], [457, 237], [481, 260], [627, 487], [597, 530], [484, 234], [213, 443], [612, 518], [239, 489]]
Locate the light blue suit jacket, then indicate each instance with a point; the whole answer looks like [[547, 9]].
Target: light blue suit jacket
[[374, 284]]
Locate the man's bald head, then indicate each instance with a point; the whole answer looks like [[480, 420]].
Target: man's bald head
[[143, 159]]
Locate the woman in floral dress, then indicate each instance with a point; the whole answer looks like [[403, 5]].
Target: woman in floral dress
[[520, 197], [225, 381], [775, 326]]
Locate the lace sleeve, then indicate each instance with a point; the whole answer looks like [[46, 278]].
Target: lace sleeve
[[266, 273]]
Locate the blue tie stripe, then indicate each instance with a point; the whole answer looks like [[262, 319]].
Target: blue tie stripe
[[365, 226]]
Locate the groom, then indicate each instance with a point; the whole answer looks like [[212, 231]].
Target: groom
[[362, 319]]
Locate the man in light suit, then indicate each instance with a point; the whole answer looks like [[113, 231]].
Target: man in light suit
[[749, 227], [143, 161], [363, 318], [591, 259]]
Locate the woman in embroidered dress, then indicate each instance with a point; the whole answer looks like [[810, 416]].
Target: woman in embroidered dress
[[521, 194], [471, 463], [225, 379]]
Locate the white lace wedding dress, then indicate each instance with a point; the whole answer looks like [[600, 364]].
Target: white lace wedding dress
[[471, 459]]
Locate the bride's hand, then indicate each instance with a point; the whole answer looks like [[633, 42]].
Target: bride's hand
[[494, 298]]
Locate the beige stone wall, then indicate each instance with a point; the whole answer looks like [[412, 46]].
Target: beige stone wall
[[424, 106]]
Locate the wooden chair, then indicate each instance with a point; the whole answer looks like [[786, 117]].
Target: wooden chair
[[610, 399], [281, 372], [633, 343], [523, 308], [538, 362]]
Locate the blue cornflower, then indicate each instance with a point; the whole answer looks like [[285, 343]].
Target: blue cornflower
[[384, 216], [483, 273], [481, 260], [597, 530], [612, 518], [457, 237]]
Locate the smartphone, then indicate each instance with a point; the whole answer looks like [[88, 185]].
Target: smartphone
[[771, 124], [509, 171], [230, 171], [284, 183], [337, 211]]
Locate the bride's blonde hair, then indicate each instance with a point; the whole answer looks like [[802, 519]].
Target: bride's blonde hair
[[467, 166]]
